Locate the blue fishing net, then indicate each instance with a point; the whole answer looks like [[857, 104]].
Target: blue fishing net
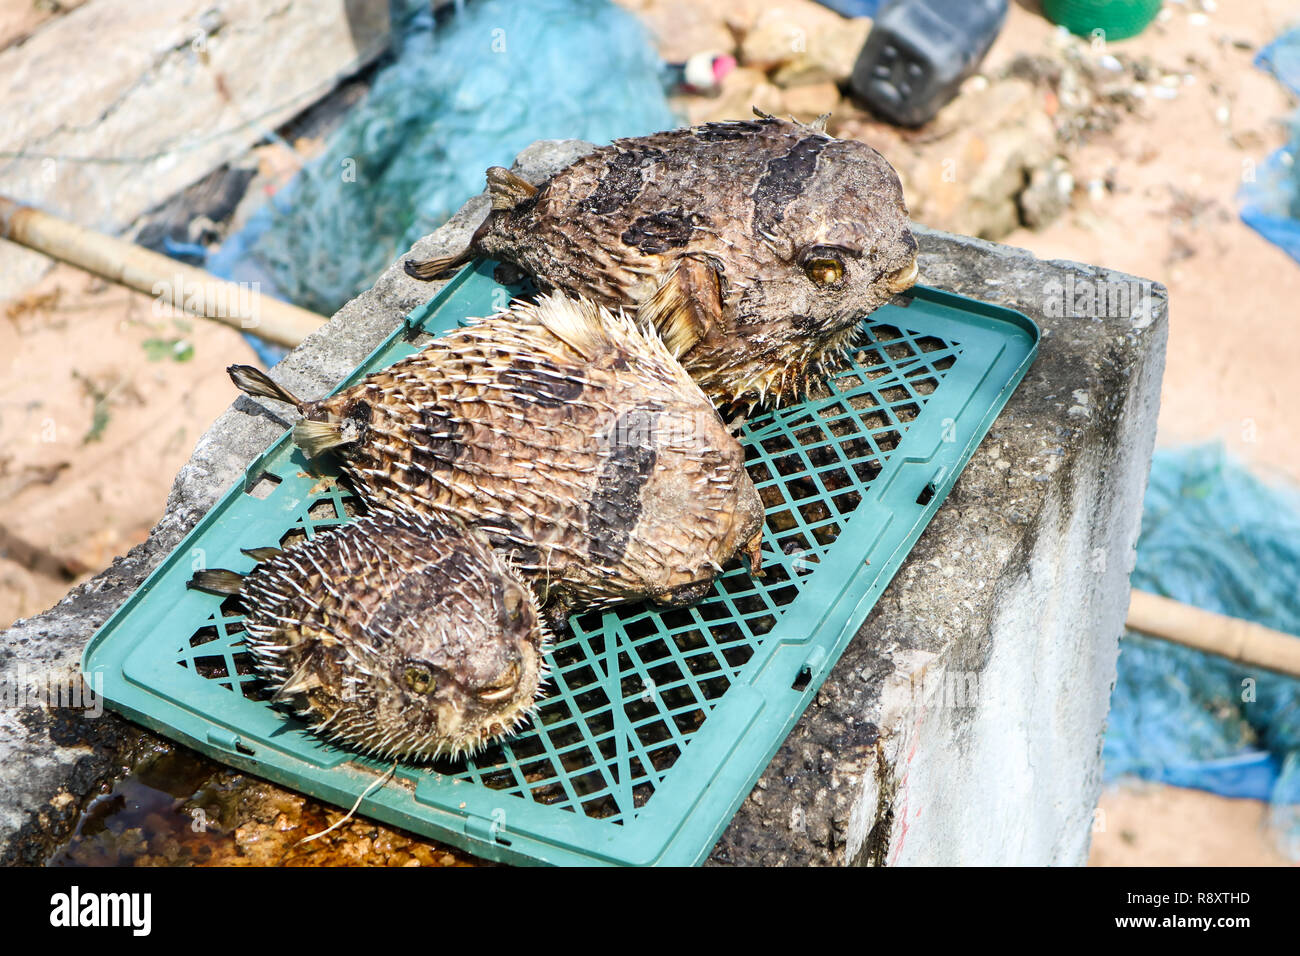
[[1216, 537], [461, 95]]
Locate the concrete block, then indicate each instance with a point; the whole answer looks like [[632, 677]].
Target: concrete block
[[121, 104], [962, 725]]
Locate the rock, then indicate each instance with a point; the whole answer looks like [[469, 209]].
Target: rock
[[18, 21], [830, 55], [742, 89], [785, 33], [179, 87], [806, 103], [682, 28], [967, 169], [1047, 195]]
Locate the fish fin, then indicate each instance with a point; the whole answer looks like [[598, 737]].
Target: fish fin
[[300, 681], [426, 269], [315, 438], [255, 382], [754, 553], [819, 124], [216, 581], [506, 189], [579, 323], [760, 114], [261, 554], [686, 306]]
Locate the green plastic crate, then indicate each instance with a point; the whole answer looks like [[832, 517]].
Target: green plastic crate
[[658, 722]]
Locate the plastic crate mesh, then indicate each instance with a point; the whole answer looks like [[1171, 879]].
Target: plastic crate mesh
[[630, 687]]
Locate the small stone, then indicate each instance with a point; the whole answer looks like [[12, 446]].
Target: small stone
[[742, 90], [806, 103], [830, 55], [1048, 194], [982, 149], [794, 30]]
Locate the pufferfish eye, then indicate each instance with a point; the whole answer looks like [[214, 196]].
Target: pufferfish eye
[[420, 679], [504, 685], [824, 270]]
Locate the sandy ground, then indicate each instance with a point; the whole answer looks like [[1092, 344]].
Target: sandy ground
[[1142, 824], [1234, 339], [101, 402]]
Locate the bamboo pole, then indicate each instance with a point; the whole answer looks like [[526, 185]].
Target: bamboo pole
[[1243, 641], [178, 285]]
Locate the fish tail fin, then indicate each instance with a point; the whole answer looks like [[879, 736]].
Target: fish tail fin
[[506, 189], [261, 554], [426, 269], [255, 382], [216, 581], [315, 438]]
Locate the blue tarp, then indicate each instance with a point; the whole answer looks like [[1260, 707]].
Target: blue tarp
[[1271, 200], [1282, 59]]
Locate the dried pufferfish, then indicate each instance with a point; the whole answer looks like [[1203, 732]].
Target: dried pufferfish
[[573, 439], [402, 635], [755, 248]]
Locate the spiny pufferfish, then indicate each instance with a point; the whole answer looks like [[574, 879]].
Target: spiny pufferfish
[[572, 438], [401, 635], [755, 247]]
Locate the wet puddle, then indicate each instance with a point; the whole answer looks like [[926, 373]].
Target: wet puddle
[[177, 808]]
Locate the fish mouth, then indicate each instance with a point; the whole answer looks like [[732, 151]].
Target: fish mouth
[[495, 695], [904, 278]]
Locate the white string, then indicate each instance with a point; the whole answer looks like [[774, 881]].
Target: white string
[[369, 790]]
